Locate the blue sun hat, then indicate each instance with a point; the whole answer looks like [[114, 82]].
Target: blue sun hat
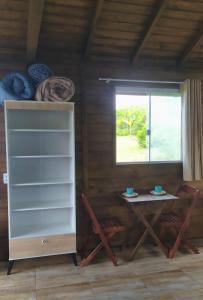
[[18, 85], [39, 72]]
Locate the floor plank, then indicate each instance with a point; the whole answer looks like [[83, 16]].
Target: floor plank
[[150, 276]]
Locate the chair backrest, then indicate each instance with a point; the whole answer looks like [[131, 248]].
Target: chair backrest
[[91, 213], [194, 195]]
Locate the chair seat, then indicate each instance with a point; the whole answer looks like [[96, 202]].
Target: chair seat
[[170, 218], [109, 225]]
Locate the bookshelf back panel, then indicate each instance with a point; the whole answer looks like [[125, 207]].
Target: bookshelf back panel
[[42, 222], [40, 170], [40, 119], [36, 143], [33, 196]]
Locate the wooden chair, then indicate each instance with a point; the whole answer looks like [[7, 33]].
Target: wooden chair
[[105, 229], [175, 225]]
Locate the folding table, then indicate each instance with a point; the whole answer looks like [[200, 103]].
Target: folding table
[[135, 205]]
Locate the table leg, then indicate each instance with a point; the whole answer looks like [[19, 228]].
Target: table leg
[[134, 222], [151, 231], [139, 214]]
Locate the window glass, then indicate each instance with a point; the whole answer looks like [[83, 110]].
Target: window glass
[[132, 117], [148, 127], [165, 128]]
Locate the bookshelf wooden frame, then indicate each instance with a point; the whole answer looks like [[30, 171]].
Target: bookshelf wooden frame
[[40, 150]]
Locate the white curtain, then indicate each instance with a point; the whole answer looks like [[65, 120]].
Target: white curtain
[[192, 140]]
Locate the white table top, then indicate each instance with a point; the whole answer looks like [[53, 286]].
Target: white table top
[[149, 198]]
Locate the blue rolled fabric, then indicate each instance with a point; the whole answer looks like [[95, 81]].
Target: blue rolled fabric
[[4, 95], [39, 73], [19, 85]]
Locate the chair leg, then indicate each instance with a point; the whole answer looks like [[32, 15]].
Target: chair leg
[[108, 249], [85, 261], [179, 238], [175, 246], [87, 243], [114, 260], [102, 244], [171, 249]]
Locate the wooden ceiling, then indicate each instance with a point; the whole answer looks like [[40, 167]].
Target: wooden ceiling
[[133, 31]]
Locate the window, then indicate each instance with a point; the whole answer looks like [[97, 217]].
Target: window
[[148, 125]]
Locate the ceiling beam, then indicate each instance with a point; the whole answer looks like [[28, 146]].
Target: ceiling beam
[[35, 14], [93, 25], [194, 44], [148, 30]]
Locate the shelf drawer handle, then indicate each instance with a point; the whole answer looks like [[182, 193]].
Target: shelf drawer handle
[[44, 241]]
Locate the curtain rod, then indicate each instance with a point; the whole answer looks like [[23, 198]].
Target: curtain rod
[[140, 81]]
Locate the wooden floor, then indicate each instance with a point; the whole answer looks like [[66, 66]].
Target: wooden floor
[[149, 276]]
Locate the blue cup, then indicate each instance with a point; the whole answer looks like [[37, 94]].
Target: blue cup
[[129, 190], [158, 188]]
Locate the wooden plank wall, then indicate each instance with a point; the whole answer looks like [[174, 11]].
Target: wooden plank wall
[[104, 177], [95, 167]]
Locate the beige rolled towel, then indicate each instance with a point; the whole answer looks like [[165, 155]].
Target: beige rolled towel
[[55, 89]]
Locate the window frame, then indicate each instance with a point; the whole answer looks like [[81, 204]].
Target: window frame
[[129, 90]]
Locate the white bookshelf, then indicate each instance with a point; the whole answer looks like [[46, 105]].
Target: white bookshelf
[[41, 176]]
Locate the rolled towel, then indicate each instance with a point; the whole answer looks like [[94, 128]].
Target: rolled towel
[[39, 73], [4, 95], [19, 85], [55, 89]]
